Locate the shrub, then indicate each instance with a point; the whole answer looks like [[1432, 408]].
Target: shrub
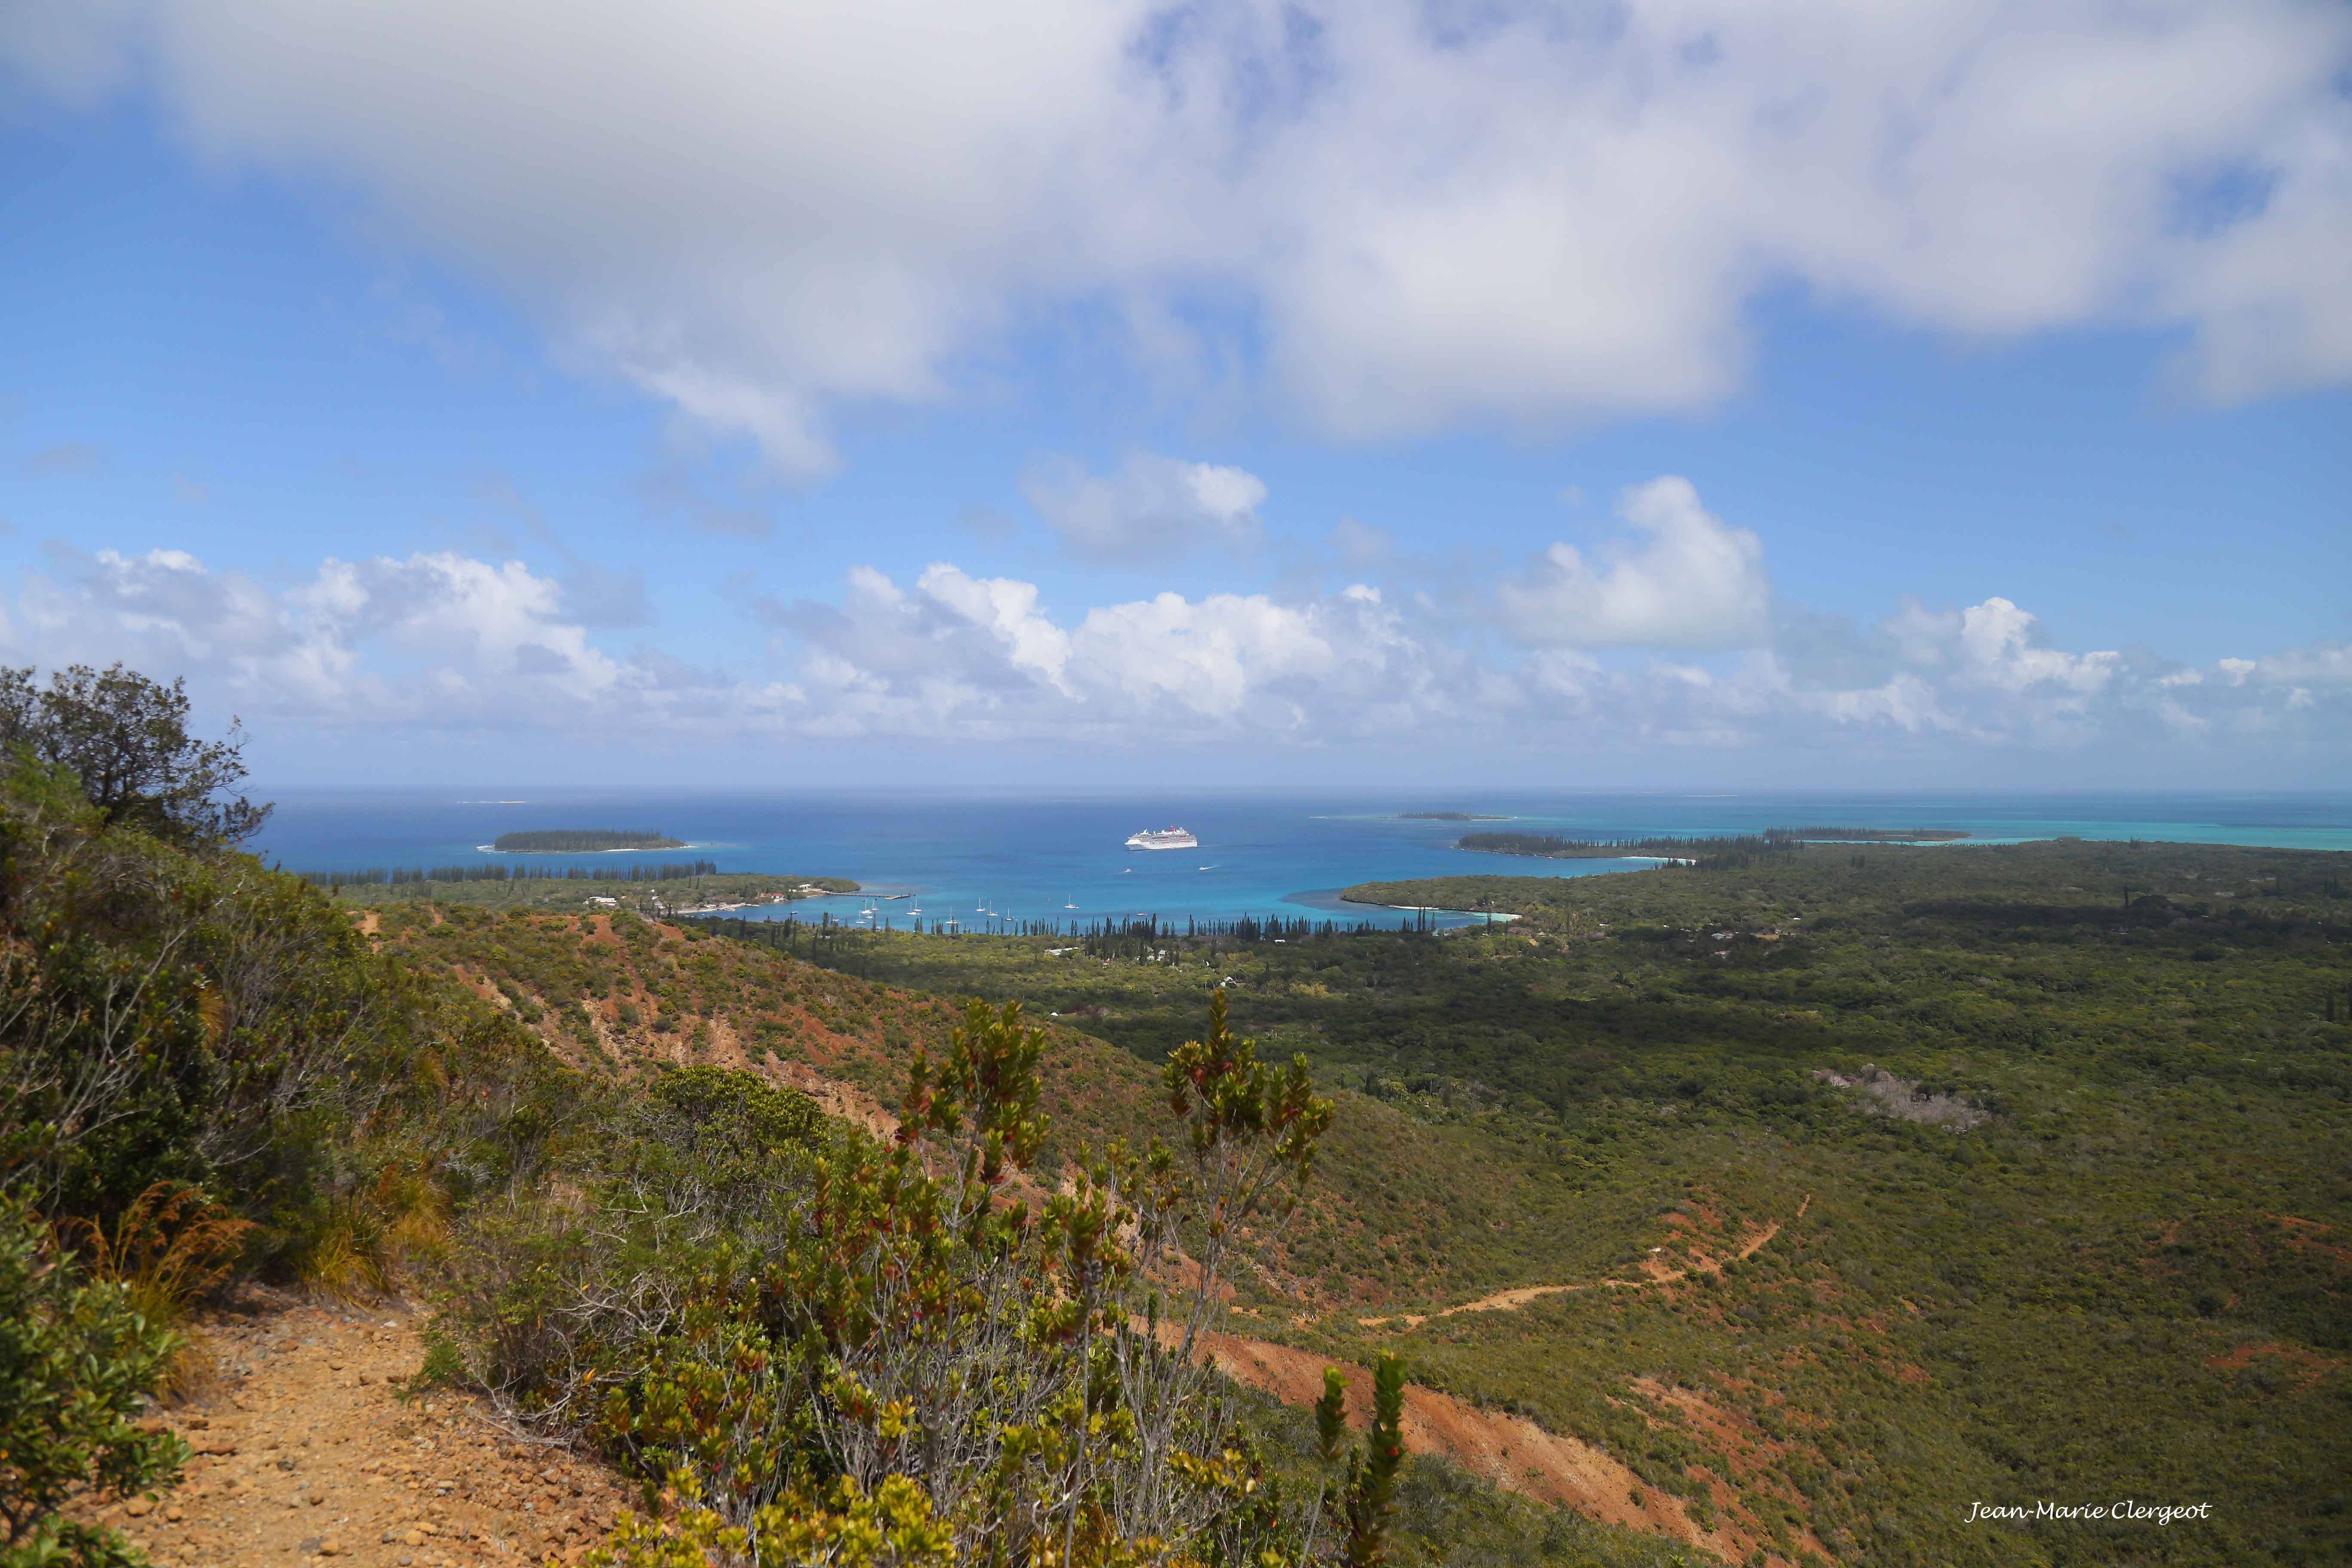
[[78, 1360], [816, 1341]]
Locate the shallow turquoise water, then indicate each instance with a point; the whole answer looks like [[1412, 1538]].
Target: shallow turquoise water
[[1028, 857]]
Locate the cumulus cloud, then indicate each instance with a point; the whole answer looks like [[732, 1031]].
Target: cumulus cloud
[[1693, 582], [1152, 509], [445, 642], [2322, 665], [432, 639], [1397, 217]]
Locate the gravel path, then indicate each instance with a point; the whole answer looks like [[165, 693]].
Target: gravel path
[[306, 1454]]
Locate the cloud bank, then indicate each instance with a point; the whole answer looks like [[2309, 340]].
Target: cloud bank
[[449, 643], [1398, 216]]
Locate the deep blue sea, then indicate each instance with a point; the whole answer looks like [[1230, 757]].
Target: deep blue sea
[[967, 857]]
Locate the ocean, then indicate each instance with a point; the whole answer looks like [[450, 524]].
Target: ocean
[[1040, 857]]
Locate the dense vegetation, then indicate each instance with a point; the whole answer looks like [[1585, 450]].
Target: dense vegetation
[[2147, 1212], [1551, 846], [652, 889], [1876, 835], [582, 841], [489, 871], [204, 1071]]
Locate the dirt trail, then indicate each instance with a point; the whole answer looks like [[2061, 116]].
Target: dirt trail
[[1511, 1301], [307, 1456]]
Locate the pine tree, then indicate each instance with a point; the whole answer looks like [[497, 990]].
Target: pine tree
[[1364, 1506]]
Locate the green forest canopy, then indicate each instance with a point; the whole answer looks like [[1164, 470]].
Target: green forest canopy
[[581, 840], [1679, 845]]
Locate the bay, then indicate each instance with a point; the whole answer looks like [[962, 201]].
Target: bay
[[990, 858]]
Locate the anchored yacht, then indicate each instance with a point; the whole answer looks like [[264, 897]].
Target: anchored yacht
[[1162, 838]]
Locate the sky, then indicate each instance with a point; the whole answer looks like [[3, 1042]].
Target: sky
[[1707, 392]]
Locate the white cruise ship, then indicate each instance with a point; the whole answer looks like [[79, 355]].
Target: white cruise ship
[[1162, 838]]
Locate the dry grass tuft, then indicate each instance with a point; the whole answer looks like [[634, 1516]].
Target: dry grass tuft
[[368, 1237], [168, 1249]]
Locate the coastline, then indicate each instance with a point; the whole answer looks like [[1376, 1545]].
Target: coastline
[[1433, 909], [623, 849], [1516, 854]]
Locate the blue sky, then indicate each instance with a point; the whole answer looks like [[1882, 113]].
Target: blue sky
[[1105, 394]]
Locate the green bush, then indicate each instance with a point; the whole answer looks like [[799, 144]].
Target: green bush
[[77, 1364]]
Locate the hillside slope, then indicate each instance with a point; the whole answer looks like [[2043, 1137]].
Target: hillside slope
[[618, 996], [2050, 1131]]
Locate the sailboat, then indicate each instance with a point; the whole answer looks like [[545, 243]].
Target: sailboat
[[1071, 906]]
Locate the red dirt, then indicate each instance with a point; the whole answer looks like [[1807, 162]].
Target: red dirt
[[1507, 1450], [2309, 1365], [2311, 1235]]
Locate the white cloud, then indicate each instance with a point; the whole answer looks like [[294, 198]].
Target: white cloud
[[2322, 663], [1405, 216], [447, 643], [2003, 646], [1694, 583], [1152, 509], [432, 640], [1008, 611]]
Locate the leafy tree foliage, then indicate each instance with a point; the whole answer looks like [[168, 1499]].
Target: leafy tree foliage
[[125, 740], [77, 1363], [1364, 1507]]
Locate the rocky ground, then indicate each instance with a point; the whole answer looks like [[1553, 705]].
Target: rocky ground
[[307, 1453]]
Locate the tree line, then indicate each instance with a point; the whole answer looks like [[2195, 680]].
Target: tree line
[[397, 876]]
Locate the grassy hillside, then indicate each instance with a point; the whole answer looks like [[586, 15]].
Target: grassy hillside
[[2100, 1166]]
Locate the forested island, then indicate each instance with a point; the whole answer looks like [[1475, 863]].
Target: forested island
[[1772, 840], [1871, 834], [1551, 846], [581, 841]]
